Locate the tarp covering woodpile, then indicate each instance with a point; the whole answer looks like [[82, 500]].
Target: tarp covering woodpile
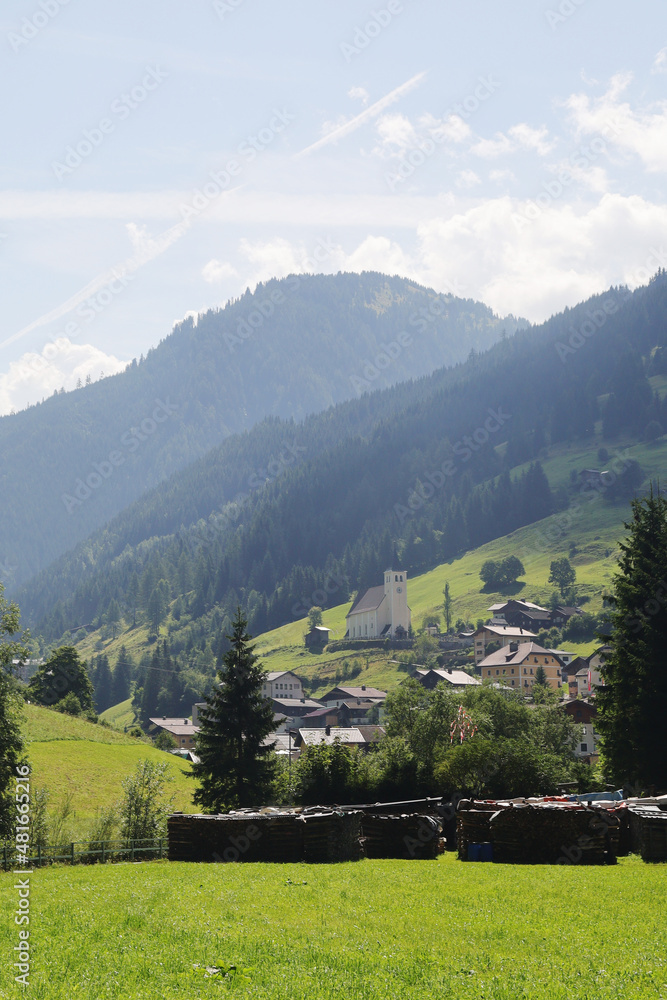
[[549, 831], [409, 836], [318, 836], [648, 831]]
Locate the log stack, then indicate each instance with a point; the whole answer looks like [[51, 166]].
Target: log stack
[[648, 832], [408, 836]]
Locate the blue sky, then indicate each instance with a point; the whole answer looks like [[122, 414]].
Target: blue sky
[[509, 152]]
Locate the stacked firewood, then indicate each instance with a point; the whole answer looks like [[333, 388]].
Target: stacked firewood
[[406, 836]]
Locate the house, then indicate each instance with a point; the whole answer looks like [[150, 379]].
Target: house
[[594, 479], [356, 712], [515, 666], [498, 630], [523, 614], [354, 736], [338, 695], [289, 712], [457, 680], [183, 731], [583, 713], [590, 677], [317, 637], [562, 614], [381, 612], [282, 684], [570, 666]]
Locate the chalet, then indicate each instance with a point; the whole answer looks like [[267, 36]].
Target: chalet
[[571, 667], [583, 713], [289, 712], [515, 666], [282, 684], [594, 479], [317, 637], [456, 680], [355, 736], [523, 614], [381, 612], [498, 631], [590, 677], [356, 712], [183, 731], [338, 695]]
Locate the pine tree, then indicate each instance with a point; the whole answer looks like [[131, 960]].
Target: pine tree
[[633, 699], [103, 683], [122, 676], [235, 767]]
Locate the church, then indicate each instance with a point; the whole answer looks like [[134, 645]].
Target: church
[[381, 612]]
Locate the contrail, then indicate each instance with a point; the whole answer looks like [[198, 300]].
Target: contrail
[[365, 116]]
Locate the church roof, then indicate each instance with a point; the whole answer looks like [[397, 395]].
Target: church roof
[[369, 601]]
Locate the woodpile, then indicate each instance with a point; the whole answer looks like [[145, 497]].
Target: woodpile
[[281, 837], [546, 832], [648, 832], [408, 836]]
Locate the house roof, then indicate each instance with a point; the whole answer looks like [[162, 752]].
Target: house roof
[[319, 712], [343, 693], [297, 702], [273, 675], [319, 628], [313, 737], [456, 678], [568, 611], [508, 630], [369, 601], [177, 727], [523, 604], [503, 656]]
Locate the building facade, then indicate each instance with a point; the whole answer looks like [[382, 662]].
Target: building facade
[[382, 612]]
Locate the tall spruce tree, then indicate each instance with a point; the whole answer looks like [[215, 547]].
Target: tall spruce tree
[[633, 700], [235, 768]]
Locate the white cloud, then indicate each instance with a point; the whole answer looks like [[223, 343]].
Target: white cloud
[[217, 270], [397, 134], [60, 364], [532, 138], [641, 132], [490, 148], [660, 62], [359, 94], [467, 179]]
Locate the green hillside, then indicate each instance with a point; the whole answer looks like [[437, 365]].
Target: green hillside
[[71, 755]]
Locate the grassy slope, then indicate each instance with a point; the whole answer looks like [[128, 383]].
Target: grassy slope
[[120, 716], [67, 753], [381, 930], [595, 527]]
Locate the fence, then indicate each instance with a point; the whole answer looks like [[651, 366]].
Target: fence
[[108, 850]]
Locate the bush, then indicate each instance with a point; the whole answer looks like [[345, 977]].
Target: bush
[[143, 809]]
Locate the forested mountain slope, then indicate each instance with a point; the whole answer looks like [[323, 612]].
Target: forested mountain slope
[[421, 471], [291, 348]]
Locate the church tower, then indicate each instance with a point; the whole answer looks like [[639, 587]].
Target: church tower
[[396, 594]]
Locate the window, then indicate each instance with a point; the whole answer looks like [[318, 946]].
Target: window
[[401, 578], [396, 578], [584, 747], [497, 672], [366, 629], [512, 669]]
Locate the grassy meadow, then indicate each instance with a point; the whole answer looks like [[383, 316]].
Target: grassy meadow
[[71, 755], [377, 930]]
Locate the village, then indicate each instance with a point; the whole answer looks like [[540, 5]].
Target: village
[[505, 656]]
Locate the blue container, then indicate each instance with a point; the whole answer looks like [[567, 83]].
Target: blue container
[[474, 852], [486, 852]]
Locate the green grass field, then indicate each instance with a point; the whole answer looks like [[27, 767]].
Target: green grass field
[[71, 754], [377, 930]]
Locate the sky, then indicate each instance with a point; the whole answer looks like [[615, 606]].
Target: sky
[[161, 157]]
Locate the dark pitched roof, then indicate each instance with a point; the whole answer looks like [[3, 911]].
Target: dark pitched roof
[[369, 601]]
